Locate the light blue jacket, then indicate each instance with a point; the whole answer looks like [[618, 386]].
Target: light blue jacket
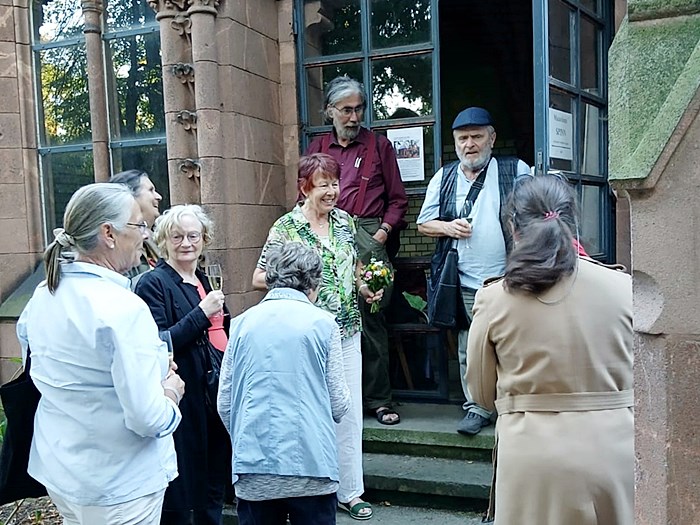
[[273, 395], [103, 428]]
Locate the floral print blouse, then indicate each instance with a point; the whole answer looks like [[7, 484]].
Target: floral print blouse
[[336, 292]]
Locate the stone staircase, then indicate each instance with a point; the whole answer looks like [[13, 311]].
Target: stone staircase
[[424, 462]]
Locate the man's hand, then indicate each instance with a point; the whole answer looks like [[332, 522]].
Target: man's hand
[[458, 229], [380, 236]]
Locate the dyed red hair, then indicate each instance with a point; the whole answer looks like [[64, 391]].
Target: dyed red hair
[[309, 165]]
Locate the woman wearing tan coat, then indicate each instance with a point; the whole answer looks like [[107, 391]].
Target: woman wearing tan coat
[[550, 347]]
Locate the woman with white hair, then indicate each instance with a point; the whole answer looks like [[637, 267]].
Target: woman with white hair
[[183, 303], [102, 445]]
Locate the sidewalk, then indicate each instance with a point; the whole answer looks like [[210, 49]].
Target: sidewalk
[[394, 515]]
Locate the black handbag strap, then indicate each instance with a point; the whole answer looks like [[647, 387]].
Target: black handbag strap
[[477, 185]]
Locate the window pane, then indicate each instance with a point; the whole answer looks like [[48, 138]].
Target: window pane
[[64, 94], [64, 173], [590, 140], [400, 84], [316, 80], [590, 37], [129, 14], [151, 159], [559, 41], [400, 22], [57, 19], [331, 27], [591, 213], [137, 97], [593, 5], [561, 131]]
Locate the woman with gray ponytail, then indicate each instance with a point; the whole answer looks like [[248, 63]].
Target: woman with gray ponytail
[[102, 445], [550, 347]]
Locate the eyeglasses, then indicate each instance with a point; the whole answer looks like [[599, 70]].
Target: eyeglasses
[[193, 237], [142, 226], [347, 110]]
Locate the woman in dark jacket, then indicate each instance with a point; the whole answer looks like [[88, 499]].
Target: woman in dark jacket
[[182, 302]]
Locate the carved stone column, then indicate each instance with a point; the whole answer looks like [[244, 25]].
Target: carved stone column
[[179, 99], [207, 97], [92, 11]]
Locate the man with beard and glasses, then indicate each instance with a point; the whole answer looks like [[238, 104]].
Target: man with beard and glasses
[[482, 235], [372, 192]]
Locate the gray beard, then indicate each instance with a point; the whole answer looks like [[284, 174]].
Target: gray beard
[[478, 164], [347, 133]]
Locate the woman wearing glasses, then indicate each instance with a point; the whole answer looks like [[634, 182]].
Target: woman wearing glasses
[[102, 432], [183, 303]]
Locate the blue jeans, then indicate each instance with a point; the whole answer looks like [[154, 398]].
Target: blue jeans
[[316, 510]]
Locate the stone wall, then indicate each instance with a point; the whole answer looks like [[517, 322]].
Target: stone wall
[[21, 240], [654, 159]]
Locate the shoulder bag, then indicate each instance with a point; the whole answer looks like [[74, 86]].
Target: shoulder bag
[[20, 399], [445, 305]]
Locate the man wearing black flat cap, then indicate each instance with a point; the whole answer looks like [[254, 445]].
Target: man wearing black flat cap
[[482, 237]]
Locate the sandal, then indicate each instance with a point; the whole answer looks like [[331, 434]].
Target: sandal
[[355, 510], [381, 414]]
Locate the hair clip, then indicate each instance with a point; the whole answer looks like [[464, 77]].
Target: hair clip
[[551, 215]]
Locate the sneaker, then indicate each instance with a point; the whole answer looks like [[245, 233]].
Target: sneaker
[[472, 424]]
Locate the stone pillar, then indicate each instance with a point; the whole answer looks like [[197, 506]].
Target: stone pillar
[[207, 98], [178, 99], [654, 157], [92, 12]]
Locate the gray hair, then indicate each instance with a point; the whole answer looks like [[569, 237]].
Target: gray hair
[[88, 209], [171, 218], [343, 87], [130, 178], [293, 265]]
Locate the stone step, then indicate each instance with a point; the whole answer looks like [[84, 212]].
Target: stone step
[[427, 481], [427, 430]]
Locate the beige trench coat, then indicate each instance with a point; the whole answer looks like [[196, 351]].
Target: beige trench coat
[[560, 376]]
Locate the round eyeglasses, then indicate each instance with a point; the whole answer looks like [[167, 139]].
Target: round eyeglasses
[[192, 237]]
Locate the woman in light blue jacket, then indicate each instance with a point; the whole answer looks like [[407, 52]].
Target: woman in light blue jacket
[[103, 429]]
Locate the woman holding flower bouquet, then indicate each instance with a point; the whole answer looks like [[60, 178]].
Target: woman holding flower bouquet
[[331, 232]]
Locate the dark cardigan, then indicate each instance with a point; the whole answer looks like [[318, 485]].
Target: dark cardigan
[[201, 438]]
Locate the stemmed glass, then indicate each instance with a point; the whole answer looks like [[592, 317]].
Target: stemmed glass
[[168, 340], [216, 279], [464, 214]]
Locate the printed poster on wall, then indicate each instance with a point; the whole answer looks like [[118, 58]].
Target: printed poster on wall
[[408, 145], [561, 135]]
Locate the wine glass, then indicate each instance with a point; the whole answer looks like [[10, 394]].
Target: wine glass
[[216, 279], [464, 214], [165, 336]]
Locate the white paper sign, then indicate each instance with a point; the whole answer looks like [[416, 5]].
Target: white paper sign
[[408, 146], [561, 136]]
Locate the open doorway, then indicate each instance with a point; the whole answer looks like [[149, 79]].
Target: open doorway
[[486, 60]]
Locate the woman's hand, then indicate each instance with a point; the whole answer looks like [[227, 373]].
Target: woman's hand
[[213, 303], [369, 295], [173, 387]]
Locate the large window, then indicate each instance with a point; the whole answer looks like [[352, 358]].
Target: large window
[[134, 97], [571, 108], [389, 46]]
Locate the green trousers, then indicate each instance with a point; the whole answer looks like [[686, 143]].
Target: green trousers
[[376, 387]]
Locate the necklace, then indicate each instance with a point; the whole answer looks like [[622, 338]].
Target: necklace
[[317, 222], [566, 293]]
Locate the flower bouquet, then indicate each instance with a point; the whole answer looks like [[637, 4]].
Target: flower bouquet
[[376, 275]]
